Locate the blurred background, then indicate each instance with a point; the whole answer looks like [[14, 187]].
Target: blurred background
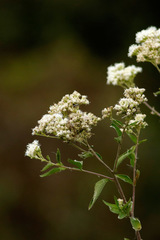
[[49, 48]]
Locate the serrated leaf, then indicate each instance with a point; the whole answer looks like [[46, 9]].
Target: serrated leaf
[[97, 191], [116, 127], [78, 164], [48, 165], [52, 171], [112, 207], [85, 154], [125, 155], [136, 224], [124, 178], [58, 156]]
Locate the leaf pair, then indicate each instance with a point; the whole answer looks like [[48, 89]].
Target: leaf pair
[[123, 210], [50, 164]]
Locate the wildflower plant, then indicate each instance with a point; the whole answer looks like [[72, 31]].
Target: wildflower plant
[[66, 121]]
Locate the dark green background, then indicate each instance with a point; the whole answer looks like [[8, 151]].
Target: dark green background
[[47, 49]]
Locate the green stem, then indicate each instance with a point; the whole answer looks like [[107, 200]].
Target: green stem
[[134, 175]]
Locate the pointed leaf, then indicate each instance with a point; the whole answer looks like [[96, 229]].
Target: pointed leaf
[[144, 140], [48, 158], [85, 155], [132, 137], [112, 207], [97, 191], [48, 165], [99, 155], [124, 178], [78, 164], [58, 156], [136, 225], [52, 171], [116, 127], [129, 153]]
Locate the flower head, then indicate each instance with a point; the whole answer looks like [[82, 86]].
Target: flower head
[[129, 105], [65, 120], [138, 121], [121, 75], [147, 47], [33, 149]]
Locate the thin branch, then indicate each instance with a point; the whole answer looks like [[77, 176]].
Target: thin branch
[[76, 146], [99, 159], [86, 171], [120, 189], [153, 111], [134, 175]]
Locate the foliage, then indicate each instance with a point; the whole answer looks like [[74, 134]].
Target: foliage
[[66, 121]]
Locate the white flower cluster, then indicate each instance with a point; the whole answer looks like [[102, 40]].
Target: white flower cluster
[[121, 75], [65, 120], [33, 149], [107, 112], [138, 120], [129, 105], [147, 47], [136, 94]]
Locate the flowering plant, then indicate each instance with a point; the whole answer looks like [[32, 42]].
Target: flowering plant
[[66, 121]]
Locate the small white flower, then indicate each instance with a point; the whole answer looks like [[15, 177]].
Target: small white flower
[[139, 120], [33, 149], [148, 46], [121, 75], [65, 120]]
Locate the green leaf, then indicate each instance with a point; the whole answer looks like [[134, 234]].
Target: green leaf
[[52, 171], [58, 156], [144, 140], [48, 165], [85, 155], [128, 154], [97, 191], [122, 215], [132, 137], [114, 125], [132, 159], [157, 93], [137, 174], [99, 155], [112, 207], [48, 158], [78, 164], [124, 178], [118, 122], [126, 239], [136, 225]]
